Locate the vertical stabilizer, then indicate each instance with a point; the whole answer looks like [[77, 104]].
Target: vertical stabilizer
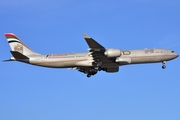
[[17, 45]]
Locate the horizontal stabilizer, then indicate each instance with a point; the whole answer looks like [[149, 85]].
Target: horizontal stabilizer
[[18, 55], [8, 60]]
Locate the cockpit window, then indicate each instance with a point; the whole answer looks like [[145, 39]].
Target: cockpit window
[[172, 51]]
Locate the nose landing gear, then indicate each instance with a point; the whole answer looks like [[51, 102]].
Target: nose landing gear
[[163, 66]]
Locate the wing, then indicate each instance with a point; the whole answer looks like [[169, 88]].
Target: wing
[[97, 52], [93, 45], [101, 62]]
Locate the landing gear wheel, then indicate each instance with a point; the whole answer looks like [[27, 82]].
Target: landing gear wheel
[[163, 64], [88, 75], [163, 67], [99, 68]]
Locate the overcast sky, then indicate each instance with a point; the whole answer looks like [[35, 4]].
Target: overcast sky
[[136, 92]]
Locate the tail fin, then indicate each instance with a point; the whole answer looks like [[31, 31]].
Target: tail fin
[[17, 45]]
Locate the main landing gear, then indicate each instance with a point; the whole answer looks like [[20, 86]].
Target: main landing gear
[[163, 66], [88, 75], [91, 72]]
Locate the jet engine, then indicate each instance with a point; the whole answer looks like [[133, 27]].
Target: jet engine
[[123, 60], [112, 52]]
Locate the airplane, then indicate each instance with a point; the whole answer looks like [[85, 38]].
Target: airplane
[[97, 59]]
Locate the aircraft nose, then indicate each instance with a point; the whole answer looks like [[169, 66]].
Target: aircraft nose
[[174, 55], [177, 55]]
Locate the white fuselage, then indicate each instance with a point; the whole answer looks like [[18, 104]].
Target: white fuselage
[[85, 60], [97, 59]]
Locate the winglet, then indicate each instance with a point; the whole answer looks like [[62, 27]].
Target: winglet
[[86, 36]]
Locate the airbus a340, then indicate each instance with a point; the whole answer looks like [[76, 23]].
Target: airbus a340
[[97, 59]]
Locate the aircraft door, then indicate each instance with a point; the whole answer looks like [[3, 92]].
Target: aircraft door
[[134, 53], [165, 52], [41, 58]]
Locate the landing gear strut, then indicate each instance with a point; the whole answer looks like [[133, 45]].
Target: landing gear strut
[[163, 66], [89, 72]]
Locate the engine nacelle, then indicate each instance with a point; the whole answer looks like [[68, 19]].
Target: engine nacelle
[[112, 52], [123, 60], [112, 70]]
